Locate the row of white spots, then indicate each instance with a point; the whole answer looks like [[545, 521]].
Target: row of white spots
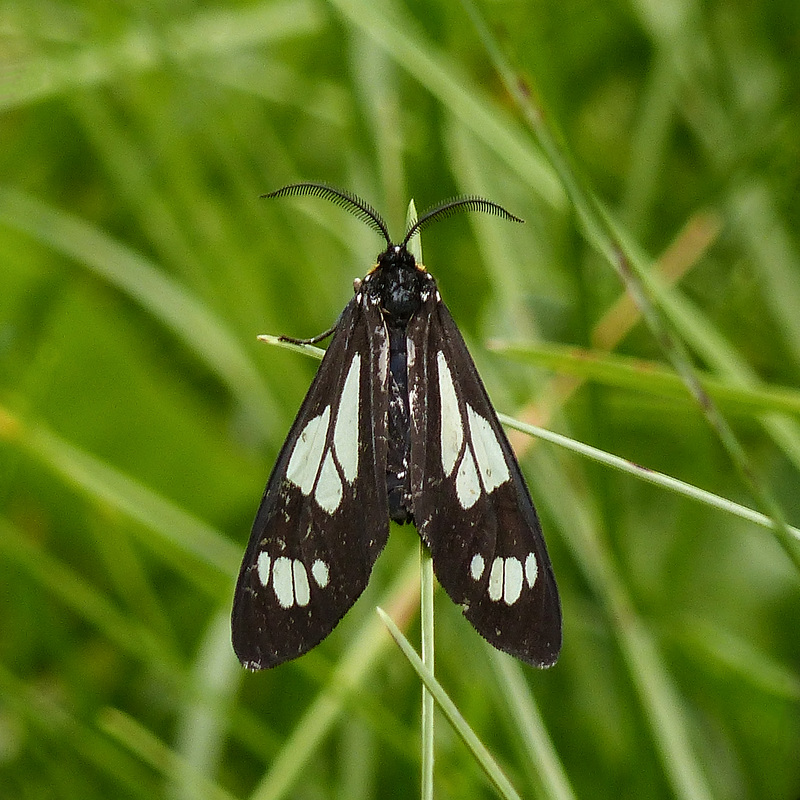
[[304, 469], [505, 576], [290, 579], [491, 469]]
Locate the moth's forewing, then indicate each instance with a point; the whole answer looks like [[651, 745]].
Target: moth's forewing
[[323, 518]]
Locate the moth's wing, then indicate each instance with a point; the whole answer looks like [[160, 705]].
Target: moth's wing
[[323, 519], [471, 504]]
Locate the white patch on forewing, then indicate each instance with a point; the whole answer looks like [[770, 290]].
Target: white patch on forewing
[[491, 461], [263, 565], [345, 431], [319, 571], [483, 465], [328, 493], [505, 579], [512, 581], [302, 591], [307, 453], [496, 579], [451, 433], [290, 579], [477, 566], [468, 486], [283, 581], [531, 569]]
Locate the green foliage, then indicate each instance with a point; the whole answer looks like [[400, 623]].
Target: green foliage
[[657, 143]]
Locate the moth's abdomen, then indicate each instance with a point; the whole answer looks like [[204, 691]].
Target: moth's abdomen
[[398, 484]]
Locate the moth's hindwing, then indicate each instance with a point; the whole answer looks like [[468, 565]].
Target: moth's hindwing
[[471, 504], [323, 519]]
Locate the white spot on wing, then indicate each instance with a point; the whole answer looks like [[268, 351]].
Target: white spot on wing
[[491, 461], [328, 493], [302, 592], [383, 356], [468, 487], [452, 435], [307, 453], [512, 581], [531, 569], [283, 581], [477, 566], [345, 432], [319, 571], [263, 565], [496, 579]]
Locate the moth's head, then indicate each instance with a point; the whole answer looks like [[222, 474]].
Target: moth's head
[[397, 257]]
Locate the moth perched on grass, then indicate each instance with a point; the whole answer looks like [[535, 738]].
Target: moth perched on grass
[[396, 425]]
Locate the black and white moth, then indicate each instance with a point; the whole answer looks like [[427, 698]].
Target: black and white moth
[[396, 425]]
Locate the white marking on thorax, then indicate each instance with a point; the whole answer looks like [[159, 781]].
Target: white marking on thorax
[[451, 433], [383, 358]]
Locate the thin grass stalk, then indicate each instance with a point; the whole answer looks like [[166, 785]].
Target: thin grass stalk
[[454, 716]]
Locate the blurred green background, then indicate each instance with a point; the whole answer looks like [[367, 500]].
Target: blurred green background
[[139, 416]]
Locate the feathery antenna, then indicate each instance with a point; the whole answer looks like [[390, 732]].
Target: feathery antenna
[[360, 208], [455, 205]]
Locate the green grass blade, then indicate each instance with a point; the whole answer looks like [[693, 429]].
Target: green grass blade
[[647, 475], [209, 34], [51, 723], [486, 120], [454, 717], [363, 653], [649, 376], [56, 578], [662, 705], [542, 754], [141, 742], [172, 304], [195, 549], [205, 713]]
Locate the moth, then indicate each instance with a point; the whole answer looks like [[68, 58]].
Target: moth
[[396, 425]]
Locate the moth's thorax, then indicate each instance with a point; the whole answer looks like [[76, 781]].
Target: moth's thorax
[[398, 283]]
